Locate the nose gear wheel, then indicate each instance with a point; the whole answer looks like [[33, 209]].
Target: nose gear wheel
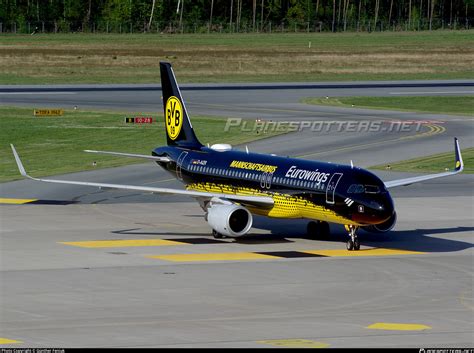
[[353, 243]]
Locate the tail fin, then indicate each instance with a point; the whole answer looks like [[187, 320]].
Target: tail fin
[[179, 131]]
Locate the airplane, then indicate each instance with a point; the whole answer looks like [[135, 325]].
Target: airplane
[[232, 185]]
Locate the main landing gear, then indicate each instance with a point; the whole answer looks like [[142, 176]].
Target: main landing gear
[[217, 235], [318, 230], [353, 243]]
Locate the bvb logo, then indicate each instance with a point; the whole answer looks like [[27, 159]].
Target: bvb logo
[[174, 117]]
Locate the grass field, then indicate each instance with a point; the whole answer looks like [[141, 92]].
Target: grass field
[[134, 58], [433, 163], [460, 105], [54, 145]]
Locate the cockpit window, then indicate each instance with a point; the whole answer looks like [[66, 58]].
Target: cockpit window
[[360, 189], [355, 189], [372, 189]]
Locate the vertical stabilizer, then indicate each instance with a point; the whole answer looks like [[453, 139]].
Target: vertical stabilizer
[[179, 131]]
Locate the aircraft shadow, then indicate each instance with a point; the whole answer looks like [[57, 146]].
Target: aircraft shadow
[[207, 238], [412, 240], [420, 240], [287, 231], [138, 231]]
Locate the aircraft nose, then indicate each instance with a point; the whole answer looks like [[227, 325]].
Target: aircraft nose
[[386, 208]]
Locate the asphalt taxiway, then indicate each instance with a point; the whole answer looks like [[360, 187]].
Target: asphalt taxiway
[[115, 269]]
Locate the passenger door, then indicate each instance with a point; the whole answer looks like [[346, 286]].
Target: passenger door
[[179, 164], [331, 188]]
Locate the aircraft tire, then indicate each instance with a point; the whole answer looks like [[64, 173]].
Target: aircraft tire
[[311, 229], [318, 230], [356, 244], [217, 235], [350, 245], [324, 231]]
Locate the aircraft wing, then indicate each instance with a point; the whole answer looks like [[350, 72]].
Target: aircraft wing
[[459, 166], [252, 200], [155, 158]]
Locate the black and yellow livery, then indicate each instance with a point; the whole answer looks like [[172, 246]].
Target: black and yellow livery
[[231, 185]]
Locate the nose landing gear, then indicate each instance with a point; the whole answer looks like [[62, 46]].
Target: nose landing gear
[[353, 243]]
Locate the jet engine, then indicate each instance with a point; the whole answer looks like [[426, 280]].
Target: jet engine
[[384, 226], [231, 220]]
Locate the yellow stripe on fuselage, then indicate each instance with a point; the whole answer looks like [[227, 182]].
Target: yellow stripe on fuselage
[[286, 206]]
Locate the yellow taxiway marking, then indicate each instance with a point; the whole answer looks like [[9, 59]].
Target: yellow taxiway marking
[[361, 252], [279, 255], [122, 243], [295, 343], [213, 257], [7, 341], [398, 327], [16, 201]]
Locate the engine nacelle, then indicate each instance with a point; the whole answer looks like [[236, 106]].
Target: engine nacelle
[[384, 226], [230, 220]]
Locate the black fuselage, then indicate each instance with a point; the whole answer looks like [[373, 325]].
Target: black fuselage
[[301, 188]]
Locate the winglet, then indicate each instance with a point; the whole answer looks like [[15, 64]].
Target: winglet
[[459, 162], [18, 162]]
